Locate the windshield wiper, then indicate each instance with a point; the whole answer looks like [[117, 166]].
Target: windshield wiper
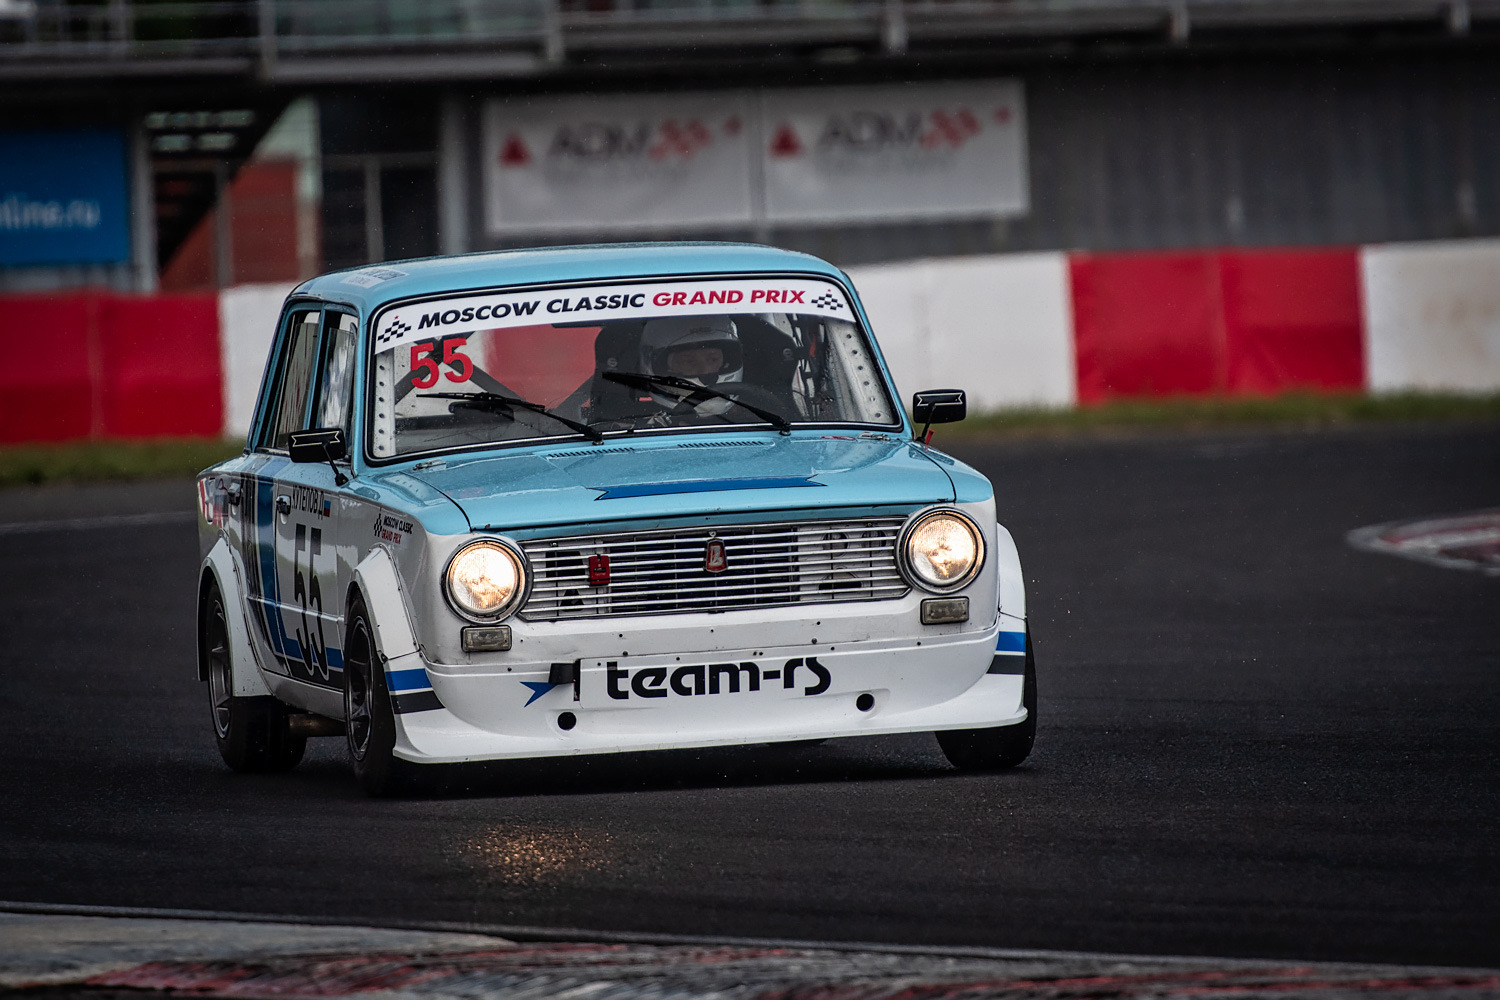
[[695, 394], [495, 399]]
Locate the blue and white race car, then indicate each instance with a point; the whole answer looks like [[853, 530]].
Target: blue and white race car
[[592, 500]]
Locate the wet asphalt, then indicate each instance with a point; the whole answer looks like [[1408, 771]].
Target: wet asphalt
[[1255, 741]]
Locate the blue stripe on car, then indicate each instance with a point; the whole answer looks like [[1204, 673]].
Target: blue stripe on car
[[407, 680], [285, 647], [1010, 654], [1010, 642]]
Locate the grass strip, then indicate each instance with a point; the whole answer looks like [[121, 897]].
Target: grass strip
[[95, 461], [1293, 410]]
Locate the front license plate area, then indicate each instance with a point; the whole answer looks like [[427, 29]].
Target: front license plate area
[[647, 682]]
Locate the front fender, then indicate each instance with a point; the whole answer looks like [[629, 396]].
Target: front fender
[[1012, 581], [223, 569], [379, 584], [396, 644]]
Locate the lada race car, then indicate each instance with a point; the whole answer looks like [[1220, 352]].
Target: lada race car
[[594, 500]]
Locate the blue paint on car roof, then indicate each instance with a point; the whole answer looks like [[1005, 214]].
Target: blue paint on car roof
[[500, 268]]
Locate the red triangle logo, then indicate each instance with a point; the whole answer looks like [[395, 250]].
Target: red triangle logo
[[514, 153], [785, 142]]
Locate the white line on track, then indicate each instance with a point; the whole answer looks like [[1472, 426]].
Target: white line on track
[[90, 523]]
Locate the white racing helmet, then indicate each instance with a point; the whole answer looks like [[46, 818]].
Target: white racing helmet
[[701, 349]]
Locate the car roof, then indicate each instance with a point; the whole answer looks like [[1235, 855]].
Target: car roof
[[371, 286]]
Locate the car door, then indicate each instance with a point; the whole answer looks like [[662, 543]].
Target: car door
[[309, 501], [284, 408]]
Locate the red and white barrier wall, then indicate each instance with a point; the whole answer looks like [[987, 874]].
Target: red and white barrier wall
[[247, 321], [1432, 316], [1046, 329], [1066, 329], [100, 365]]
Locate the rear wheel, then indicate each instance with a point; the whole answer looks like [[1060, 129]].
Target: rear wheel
[[1000, 747], [369, 718], [254, 734]]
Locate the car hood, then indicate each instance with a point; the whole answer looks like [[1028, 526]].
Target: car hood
[[671, 477]]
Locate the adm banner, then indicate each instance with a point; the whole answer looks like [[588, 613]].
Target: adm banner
[[894, 153], [585, 164], [63, 197], [666, 163]]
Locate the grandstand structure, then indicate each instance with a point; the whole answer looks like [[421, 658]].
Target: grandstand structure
[[1142, 124]]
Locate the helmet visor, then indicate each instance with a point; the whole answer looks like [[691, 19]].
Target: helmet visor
[[700, 359]]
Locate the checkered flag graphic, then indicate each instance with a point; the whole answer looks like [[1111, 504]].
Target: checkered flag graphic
[[393, 332], [828, 300]]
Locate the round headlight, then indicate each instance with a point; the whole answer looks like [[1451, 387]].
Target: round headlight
[[485, 580], [944, 550]]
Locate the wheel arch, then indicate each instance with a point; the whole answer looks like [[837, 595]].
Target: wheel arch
[[1012, 580], [220, 569], [378, 585]]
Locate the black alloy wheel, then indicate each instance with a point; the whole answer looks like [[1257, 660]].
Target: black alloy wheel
[[1000, 747], [370, 721]]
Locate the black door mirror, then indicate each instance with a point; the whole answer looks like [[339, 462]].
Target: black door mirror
[[326, 444], [939, 406]]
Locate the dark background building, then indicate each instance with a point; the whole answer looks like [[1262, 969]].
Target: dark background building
[[1148, 125]]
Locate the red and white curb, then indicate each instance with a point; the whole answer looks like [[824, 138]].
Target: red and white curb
[[77, 955], [1460, 541]]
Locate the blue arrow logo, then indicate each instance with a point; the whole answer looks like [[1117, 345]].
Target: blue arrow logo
[[538, 688]]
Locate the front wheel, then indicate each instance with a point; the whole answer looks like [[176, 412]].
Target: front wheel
[[254, 734], [370, 721], [1000, 747]]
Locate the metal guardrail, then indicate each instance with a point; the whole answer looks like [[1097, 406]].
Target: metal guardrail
[[281, 38]]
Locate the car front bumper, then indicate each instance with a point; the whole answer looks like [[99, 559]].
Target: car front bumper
[[620, 703]]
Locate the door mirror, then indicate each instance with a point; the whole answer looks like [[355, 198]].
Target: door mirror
[[326, 444], [939, 406]]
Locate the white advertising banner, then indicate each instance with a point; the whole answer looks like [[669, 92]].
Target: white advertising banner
[[891, 153], [643, 163], [633, 162]]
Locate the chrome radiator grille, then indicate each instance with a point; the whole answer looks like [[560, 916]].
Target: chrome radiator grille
[[767, 565]]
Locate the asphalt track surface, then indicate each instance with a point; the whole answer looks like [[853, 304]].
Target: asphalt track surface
[[1255, 742]]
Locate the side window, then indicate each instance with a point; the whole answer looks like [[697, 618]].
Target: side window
[[298, 364], [336, 385]]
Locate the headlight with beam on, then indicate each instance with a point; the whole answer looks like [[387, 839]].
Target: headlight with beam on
[[486, 580], [943, 550]]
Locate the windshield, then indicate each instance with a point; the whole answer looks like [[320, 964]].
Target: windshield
[[453, 373]]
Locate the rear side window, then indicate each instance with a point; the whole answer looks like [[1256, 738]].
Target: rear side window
[[295, 369]]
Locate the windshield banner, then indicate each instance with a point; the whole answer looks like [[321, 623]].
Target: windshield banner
[[417, 321]]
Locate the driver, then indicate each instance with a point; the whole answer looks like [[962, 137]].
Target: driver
[[702, 349]]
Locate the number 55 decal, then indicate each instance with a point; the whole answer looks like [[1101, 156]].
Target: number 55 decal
[[307, 592], [421, 359]]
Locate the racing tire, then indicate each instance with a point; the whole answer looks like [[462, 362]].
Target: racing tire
[[369, 719], [1001, 747], [253, 734]]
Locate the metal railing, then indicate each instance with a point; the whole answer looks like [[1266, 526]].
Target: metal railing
[[264, 33]]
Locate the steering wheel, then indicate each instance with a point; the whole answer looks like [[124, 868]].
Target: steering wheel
[[751, 393]]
